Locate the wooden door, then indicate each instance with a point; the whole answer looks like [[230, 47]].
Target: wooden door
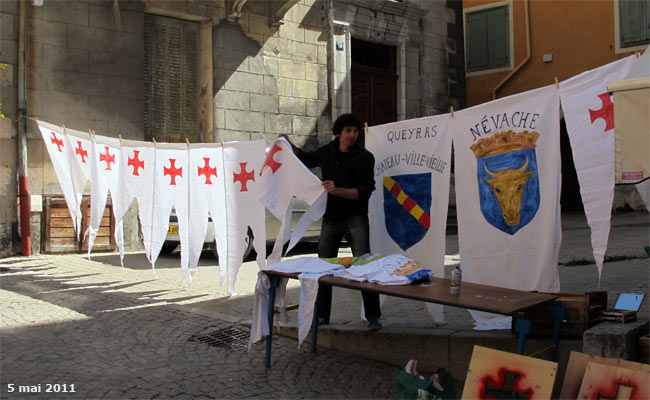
[[374, 82]]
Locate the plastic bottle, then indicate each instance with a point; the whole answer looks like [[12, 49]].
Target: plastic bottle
[[456, 279]]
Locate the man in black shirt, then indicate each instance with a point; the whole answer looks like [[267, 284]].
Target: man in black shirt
[[347, 173]]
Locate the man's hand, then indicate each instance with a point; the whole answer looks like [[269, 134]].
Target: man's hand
[[329, 187], [347, 193], [293, 147]]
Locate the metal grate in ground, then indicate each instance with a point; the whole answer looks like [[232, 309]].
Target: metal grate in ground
[[226, 338]]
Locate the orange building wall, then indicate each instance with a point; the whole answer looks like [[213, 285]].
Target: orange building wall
[[579, 35]]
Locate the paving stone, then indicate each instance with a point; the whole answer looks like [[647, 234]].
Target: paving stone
[[118, 332]]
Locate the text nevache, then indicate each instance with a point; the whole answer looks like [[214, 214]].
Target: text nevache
[[518, 119]]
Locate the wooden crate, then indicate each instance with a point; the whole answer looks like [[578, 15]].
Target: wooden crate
[[58, 230], [582, 311]]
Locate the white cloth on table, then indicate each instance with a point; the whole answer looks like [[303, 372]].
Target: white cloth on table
[[312, 268], [394, 269]]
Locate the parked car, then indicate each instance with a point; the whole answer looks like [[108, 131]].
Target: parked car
[[272, 227]]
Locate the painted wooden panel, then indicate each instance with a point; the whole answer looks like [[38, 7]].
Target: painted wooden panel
[[613, 382], [577, 366], [499, 374]]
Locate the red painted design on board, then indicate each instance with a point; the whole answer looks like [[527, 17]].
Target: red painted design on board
[[610, 390], [499, 379]]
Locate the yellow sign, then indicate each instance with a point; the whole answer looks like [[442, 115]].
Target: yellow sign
[[173, 230]]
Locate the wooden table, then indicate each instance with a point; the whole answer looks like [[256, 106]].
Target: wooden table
[[472, 296]]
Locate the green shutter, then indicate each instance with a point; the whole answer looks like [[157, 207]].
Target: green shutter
[[477, 45], [488, 35], [634, 18], [498, 37]]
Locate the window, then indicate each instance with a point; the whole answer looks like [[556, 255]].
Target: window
[[487, 38], [634, 22], [171, 79]]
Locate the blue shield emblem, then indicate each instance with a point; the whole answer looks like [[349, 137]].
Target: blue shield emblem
[[508, 187], [407, 207]]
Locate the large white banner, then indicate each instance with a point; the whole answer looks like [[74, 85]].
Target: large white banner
[[589, 115], [408, 208], [507, 169]]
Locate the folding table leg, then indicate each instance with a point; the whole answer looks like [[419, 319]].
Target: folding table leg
[[269, 339], [523, 327], [314, 329], [558, 316]]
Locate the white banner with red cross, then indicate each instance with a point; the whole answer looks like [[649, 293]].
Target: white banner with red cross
[[241, 164], [58, 148], [80, 145], [589, 115], [137, 161], [207, 197], [283, 177], [105, 174], [170, 191]]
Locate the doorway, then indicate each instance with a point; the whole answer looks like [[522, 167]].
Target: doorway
[[374, 82]]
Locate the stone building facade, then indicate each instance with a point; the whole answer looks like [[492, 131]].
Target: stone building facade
[[207, 71]]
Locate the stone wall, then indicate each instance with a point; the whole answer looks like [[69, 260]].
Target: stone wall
[[84, 70], [270, 68], [270, 80]]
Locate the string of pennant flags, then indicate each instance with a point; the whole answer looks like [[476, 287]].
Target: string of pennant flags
[[228, 182], [234, 182]]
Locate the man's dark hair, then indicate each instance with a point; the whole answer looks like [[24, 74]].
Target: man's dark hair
[[346, 120]]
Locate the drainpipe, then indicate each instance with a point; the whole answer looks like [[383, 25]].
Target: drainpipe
[[23, 185], [514, 71]]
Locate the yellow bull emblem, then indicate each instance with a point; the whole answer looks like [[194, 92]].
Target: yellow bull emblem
[[508, 186]]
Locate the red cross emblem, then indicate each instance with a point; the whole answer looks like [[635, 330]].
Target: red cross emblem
[[270, 162], [58, 142], [207, 171], [606, 112], [505, 378], [172, 171], [108, 158], [243, 177], [80, 150], [136, 162]]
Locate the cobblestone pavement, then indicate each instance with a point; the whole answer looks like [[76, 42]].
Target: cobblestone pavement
[[119, 333], [116, 332]]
